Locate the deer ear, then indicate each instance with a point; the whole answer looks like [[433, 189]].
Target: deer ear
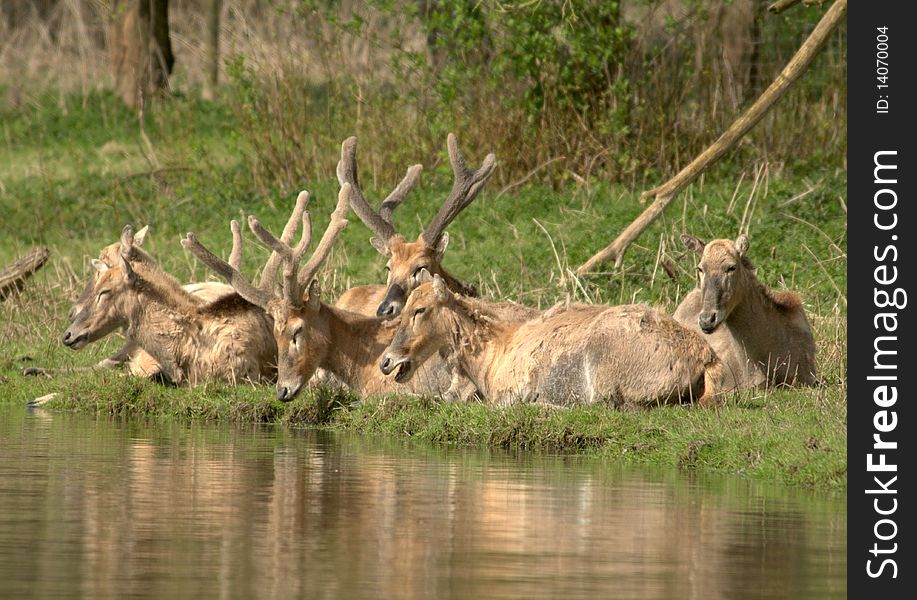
[[440, 291], [99, 266], [742, 244], [441, 245], [693, 244], [127, 241], [314, 295], [424, 277], [141, 235], [129, 274], [380, 246]]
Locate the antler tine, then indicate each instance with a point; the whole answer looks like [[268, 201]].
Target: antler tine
[[290, 256], [235, 257], [465, 188], [338, 222], [269, 273], [398, 195], [232, 275], [347, 173]]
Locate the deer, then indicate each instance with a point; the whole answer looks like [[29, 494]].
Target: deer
[[137, 360], [629, 355], [193, 341], [761, 337], [406, 260], [309, 333]]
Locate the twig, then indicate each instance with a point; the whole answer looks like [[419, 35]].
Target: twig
[[529, 175]]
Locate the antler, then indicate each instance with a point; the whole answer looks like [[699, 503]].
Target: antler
[[282, 249], [380, 222], [228, 271], [293, 284], [465, 189], [338, 223], [269, 273]]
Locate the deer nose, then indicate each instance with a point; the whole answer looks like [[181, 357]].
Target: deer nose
[[386, 365], [66, 337], [707, 321], [283, 394]]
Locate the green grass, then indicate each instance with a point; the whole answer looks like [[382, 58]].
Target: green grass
[[73, 172]]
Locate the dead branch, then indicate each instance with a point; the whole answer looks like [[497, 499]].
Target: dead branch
[[666, 192], [13, 277]]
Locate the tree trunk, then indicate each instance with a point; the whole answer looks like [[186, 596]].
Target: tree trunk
[[13, 277], [141, 50], [214, 8]]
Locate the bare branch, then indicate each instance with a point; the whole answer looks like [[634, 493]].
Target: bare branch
[[666, 192]]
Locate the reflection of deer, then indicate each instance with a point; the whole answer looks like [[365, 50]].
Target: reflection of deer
[[408, 260], [309, 333], [760, 336], [624, 355], [193, 341]]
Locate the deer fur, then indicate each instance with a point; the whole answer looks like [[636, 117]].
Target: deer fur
[[621, 355], [761, 337], [193, 341]]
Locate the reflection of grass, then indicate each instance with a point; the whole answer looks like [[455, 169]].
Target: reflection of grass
[[56, 190]]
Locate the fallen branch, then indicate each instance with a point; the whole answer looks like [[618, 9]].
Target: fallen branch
[[13, 277], [666, 192]]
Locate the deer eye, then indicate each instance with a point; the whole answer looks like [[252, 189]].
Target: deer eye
[[388, 269], [296, 333], [418, 270], [102, 294], [420, 311], [700, 269], [730, 269]]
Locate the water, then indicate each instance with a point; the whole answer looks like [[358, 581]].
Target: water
[[95, 507]]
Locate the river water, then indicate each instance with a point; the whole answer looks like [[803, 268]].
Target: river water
[[105, 508]]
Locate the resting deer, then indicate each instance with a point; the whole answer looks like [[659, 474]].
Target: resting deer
[[193, 341], [137, 360], [309, 333], [623, 355], [408, 260], [760, 336]]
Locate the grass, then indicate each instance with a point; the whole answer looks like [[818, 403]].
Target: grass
[[73, 172]]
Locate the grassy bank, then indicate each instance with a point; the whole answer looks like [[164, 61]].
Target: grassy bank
[[73, 171]]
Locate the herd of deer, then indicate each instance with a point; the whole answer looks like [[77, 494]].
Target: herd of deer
[[424, 332]]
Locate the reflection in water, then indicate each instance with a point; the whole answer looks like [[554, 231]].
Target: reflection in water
[[105, 508]]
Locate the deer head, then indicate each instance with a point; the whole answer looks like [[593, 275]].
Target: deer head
[[301, 343], [724, 270], [104, 304], [422, 331], [406, 259]]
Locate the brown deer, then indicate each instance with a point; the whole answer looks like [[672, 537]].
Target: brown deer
[[408, 260], [622, 355], [760, 336], [137, 360], [192, 341], [309, 333]]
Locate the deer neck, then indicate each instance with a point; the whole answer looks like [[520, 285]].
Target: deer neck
[[455, 285], [479, 344], [165, 320], [352, 346], [756, 322]]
